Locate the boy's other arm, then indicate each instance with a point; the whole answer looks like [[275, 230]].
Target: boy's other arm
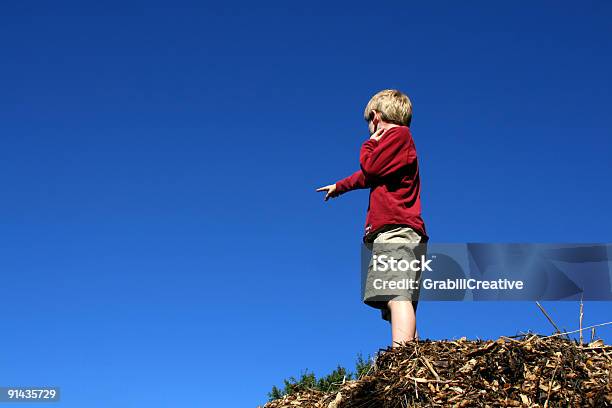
[[379, 158]]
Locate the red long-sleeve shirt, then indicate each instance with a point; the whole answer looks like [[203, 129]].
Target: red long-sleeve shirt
[[390, 168]]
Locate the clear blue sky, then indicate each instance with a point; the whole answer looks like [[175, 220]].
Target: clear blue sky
[[162, 244]]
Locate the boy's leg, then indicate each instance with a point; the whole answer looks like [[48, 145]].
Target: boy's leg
[[403, 321]]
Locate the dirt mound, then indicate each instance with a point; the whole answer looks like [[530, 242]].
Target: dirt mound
[[525, 371]]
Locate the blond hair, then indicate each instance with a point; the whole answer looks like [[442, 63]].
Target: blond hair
[[393, 105]]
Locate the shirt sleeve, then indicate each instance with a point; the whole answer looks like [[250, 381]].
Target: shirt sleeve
[[355, 181], [387, 155]]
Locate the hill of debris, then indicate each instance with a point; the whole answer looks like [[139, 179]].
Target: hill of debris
[[522, 371]]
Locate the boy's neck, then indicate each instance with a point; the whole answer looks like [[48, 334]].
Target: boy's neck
[[386, 126]]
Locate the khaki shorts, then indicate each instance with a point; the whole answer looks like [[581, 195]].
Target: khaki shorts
[[402, 244]]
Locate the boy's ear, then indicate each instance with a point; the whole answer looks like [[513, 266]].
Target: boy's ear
[[376, 117]]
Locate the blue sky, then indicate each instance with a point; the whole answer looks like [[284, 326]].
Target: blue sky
[[162, 242]]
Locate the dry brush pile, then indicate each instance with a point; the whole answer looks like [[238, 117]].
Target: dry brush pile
[[525, 371]]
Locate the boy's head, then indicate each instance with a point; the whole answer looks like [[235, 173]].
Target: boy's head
[[388, 106]]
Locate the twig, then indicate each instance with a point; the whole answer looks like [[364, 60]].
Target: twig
[[428, 364], [575, 331], [581, 316], [425, 380], [548, 317], [550, 385]]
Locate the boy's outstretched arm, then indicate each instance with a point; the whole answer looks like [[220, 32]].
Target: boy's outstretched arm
[[354, 181]]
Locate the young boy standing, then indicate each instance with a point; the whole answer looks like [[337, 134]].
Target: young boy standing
[[394, 227]]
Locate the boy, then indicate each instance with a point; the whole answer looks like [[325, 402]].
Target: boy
[[394, 227]]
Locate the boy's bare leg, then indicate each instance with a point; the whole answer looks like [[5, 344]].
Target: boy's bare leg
[[403, 321]]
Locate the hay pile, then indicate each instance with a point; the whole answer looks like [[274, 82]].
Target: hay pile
[[525, 371]]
